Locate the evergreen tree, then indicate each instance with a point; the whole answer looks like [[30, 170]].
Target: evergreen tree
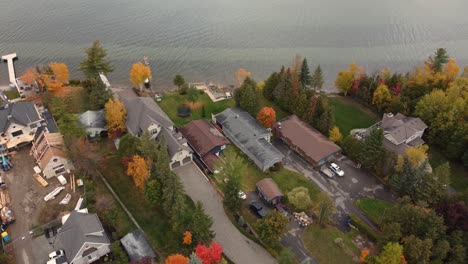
[[199, 225], [173, 199], [248, 98], [179, 81], [441, 57], [147, 147], [372, 149], [304, 76], [95, 63], [326, 121], [270, 85], [99, 95], [231, 195], [317, 78]]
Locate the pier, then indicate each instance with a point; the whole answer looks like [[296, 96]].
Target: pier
[[11, 67]]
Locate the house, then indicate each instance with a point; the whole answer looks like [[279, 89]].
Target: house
[[249, 136], [306, 140], [18, 123], [401, 132], [177, 148], [94, 122], [49, 152], [144, 115], [269, 192], [205, 140], [83, 238], [137, 246]]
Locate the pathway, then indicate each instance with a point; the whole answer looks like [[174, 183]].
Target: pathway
[[236, 246]]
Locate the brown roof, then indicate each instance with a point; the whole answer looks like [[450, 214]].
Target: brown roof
[[48, 145], [203, 136], [210, 160], [309, 140], [269, 189]]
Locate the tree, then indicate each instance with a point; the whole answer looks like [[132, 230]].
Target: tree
[[173, 198], [60, 71], [29, 76], [192, 94], [128, 145], [267, 117], [326, 121], [455, 215], [187, 239], [372, 149], [317, 78], [231, 195], [246, 96], [451, 69], [153, 192], [382, 97], [139, 74], [95, 61], [304, 76], [176, 259], [270, 85], [416, 155], [335, 135], [99, 94], [417, 250], [391, 254], [465, 72], [147, 147], [211, 254], [138, 170], [324, 208], [353, 147], [179, 81], [344, 81], [194, 259], [231, 166], [241, 75], [115, 117], [299, 197], [118, 254], [441, 57], [272, 227], [287, 257], [199, 225]]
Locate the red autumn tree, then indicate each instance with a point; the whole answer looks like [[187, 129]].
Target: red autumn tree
[[176, 259], [211, 254], [266, 117]]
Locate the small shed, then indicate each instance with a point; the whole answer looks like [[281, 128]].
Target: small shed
[[269, 192]]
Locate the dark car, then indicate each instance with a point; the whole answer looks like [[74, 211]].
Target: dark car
[[257, 208]]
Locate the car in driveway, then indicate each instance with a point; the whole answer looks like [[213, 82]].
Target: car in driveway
[[327, 172], [336, 169], [257, 209], [56, 254]]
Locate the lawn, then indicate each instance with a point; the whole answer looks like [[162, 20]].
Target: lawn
[[458, 175], [373, 208], [171, 101], [320, 243], [350, 115], [12, 94]]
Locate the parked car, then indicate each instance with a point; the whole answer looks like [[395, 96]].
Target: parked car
[[257, 209], [242, 195], [56, 254], [327, 172], [336, 169]]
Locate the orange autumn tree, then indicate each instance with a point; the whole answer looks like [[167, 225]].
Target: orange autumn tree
[[176, 259], [451, 69], [115, 117], [267, 117], [138, 169], [187, 240], [52, 85], [60, 71], [29, 76], [241, 74], [138, 74]]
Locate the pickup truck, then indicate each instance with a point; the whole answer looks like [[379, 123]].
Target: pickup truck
[[327, 172]]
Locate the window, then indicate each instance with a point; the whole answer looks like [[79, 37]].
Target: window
[[17, 133], [55, 160], [154, 131]]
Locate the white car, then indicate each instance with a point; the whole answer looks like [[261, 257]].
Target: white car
[[242, 195], [56, 254], [336, 169]]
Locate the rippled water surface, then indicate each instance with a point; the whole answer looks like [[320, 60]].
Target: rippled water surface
[[210, 39]]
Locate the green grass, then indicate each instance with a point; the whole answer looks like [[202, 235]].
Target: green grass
[[320, 243], [350, 115], [171, 101], [12, 94], [458, 175], [288, 180], [374, 208]]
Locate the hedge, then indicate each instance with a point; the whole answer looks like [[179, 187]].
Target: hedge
[[364, 228]]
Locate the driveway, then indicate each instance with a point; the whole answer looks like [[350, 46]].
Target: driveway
[[355, 184], [236, 246]]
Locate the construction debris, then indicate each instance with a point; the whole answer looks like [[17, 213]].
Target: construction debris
[[303, 219], [66, 200], [41, 180], [52, 194]]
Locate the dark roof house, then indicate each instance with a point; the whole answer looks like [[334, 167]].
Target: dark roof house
[[306, 140], [401, 132], [205, 140], [83, 238], [248, 135], [137, 246], [142, 112], [269, 191], [177, 147], [93, 121]]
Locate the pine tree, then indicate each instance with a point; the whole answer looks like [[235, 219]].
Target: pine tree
[[304, 76], [200, 225], [248, 99], [317, 78], [441, 57], [95, 63], [372, 150]]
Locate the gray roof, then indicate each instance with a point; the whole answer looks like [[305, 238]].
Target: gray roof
[[137, 246], [142, 112], [93, 119], [78, 229], [174, 141], [22, 113], [401, 127], [248, 135]]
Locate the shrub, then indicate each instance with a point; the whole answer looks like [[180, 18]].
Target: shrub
[[74, 82], [277, 167], [364, 228]]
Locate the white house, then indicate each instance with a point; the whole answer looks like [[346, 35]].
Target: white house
[[18, 123], [179, 151]]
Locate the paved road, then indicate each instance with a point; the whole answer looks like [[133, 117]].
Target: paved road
[[236, 246]]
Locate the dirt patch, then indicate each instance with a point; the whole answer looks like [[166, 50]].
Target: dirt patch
[[194, 105]]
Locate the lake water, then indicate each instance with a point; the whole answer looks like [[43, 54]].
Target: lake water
[[211, 39]]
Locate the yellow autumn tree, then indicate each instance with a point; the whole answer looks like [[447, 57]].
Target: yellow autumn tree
[[60, 71], [52, 85], [344, 81], [241, 74], [451, 69], [385, 74], [187, 240], [335, 135], [356, 70], [382, 97], [115, 117], [138, 169], [416, 155], [138, 74]]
